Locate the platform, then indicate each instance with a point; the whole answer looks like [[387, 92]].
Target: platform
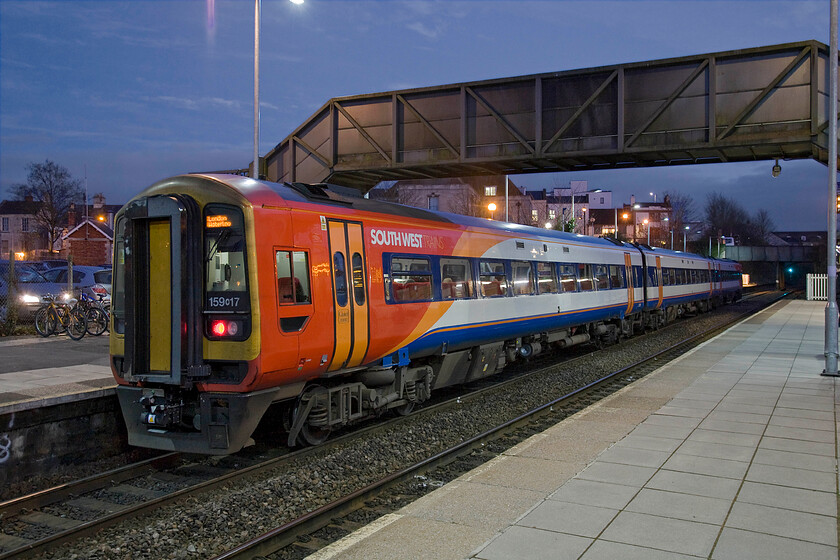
[[728, 452], [24, 390]]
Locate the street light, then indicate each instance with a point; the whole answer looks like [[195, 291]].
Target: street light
[[647, 227], [685, 236], [492, 208]]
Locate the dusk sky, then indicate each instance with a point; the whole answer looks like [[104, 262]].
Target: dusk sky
[[134, 92]]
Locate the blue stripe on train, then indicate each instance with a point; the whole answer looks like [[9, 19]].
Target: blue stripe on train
[[484, 333]]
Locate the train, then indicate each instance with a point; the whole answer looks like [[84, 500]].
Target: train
[[232, 295]]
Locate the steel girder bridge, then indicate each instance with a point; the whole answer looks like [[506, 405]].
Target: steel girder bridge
[[745, 105]]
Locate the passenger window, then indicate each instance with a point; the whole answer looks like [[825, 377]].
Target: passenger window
[[602, 277], [411, 279], [523, 283], [456, 279], [616, 276], [340, 272], [546, 278], [652, 280], [358, 280], [568, 280], [492, 278], [292, 277], [585, 277]]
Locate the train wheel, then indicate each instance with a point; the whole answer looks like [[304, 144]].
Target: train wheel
[[405, 409], [310, 435], [315, 412]]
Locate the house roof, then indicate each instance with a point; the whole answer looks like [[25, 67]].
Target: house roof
[[18, 207], [107, 232]]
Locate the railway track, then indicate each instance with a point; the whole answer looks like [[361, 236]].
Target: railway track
[[34, 524]]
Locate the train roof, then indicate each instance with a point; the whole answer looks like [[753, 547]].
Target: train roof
[[344, 197]]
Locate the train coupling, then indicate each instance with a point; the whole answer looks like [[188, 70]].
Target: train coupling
[[160, 410]]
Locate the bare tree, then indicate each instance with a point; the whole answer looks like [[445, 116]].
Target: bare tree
[[682, 209], [53, 186], [763, 226]]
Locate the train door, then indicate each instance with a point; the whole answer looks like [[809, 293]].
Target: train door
[[631, 285], [659, 280], [155, 296], [350, 298]]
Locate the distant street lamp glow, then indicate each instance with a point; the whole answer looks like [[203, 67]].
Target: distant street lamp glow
[[492, 208]]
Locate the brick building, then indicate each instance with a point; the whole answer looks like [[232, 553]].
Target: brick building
[[89, 243]]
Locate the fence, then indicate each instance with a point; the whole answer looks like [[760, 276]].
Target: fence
[[817, 287]]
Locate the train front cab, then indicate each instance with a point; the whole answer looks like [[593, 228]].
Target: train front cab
[[167, 322]]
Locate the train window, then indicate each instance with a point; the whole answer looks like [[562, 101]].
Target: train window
[[616, 276], [652, 278], [638, 277], [457, 279], [546, 279], [492, 278], [568, 280], [411, 279], [672, 277], [340, 273], [585, 277], [602, 276], [358, 279], [292, 277], [523, 278], [224, 242]]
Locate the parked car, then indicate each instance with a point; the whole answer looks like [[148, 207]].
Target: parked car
[[92, 280], [31, 288]]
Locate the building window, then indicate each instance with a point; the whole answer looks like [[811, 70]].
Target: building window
[[535, 215], [24, 224], [433, 201], [490, 191], [5, 225], [602, 199], [552, 214]]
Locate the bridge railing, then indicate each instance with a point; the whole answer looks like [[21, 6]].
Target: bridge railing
[[817, 287]]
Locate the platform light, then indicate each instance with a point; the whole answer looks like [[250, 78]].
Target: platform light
[[777, 169]]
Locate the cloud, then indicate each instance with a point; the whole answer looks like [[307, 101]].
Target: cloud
[[422, 29], [197, 104]]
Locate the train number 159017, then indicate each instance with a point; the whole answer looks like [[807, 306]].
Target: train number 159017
[[221, 301]]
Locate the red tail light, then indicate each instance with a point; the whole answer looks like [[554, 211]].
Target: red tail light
[[224, 328]]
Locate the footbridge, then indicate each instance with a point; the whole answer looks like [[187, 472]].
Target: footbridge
[[745, 105]]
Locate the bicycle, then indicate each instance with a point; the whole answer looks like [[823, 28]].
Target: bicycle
[[95, 313], [56, 317]]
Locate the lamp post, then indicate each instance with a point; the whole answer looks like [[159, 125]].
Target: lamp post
[[647, 227], [492, 208], [685, 237], [583, 218]]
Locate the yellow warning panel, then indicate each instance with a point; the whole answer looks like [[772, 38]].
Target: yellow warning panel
[[159, 300]]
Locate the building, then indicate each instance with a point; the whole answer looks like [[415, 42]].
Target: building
[[89, 236], [19, 230], [89, 243]]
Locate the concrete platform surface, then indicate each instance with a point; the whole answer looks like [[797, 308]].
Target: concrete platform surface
[[729, 452]]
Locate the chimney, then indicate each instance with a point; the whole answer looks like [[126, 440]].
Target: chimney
[[632, 200], [98, 200], [28, 198], [71, 216]]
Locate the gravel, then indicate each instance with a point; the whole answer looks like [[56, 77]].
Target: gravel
[[208, 524]]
